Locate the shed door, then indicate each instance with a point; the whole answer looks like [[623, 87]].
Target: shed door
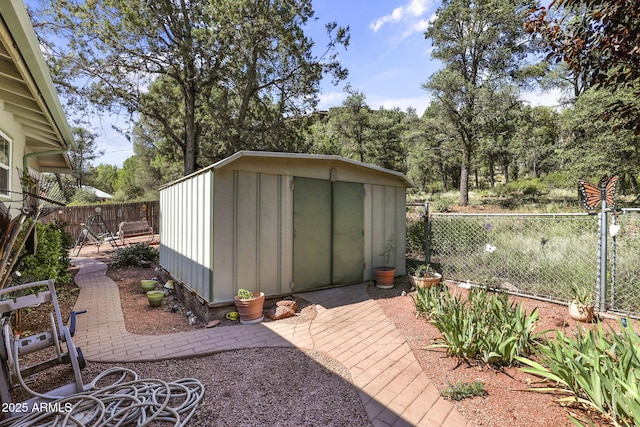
[[311, 233], [348, 233], [328, 222]]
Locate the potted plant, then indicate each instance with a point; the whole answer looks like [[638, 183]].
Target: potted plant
[[250, 306], [424, 276], [582, 306], [385, 274]]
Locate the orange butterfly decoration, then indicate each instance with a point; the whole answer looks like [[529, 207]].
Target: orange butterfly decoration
[[592, 195]]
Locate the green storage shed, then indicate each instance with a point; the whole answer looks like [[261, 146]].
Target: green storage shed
[[280, 223]]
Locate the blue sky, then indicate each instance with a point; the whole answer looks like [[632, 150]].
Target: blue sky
[[388, 59]]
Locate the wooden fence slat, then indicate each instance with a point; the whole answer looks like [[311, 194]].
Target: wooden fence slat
[[112, 214]]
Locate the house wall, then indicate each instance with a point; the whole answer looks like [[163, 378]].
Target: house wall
[[14, 131]]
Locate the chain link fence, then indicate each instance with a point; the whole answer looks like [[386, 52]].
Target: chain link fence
[[536, 255], [623, 292]]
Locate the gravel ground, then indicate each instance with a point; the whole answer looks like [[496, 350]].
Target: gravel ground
[[251, 387]]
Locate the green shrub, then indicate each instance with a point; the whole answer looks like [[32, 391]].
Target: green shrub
[[134, 255], [529, 187], [559, 180], [462, 390], [427, 298], [244, 294], [485, 326], [51, 260], [66, 240], [598, 370], [415, 236], [443, 202]]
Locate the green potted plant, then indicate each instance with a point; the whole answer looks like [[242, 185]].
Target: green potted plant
[[582, 305], [250, 306], [424, 276], [385, 274]]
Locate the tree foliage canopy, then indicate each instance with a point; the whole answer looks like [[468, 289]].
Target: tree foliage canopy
[[481, 46], [244, 64], [599, 40]]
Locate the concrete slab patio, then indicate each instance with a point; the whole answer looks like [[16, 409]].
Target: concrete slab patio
[[349, 327]]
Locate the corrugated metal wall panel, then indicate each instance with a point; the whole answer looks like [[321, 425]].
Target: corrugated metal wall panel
[[389, 210], [186, 232], [378, 234], [401, 230], [286, 234], [223, 237]]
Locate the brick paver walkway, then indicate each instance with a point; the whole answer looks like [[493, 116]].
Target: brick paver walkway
[[349, 327]]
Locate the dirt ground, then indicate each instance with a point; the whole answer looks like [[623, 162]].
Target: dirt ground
[[507, 403]]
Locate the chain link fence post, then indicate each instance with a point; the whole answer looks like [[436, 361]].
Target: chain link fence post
[[602, 265], [427, 234]]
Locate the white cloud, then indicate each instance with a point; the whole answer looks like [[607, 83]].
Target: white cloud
[[414, 9], [417, 7], [330, 99], [419, 26], [549, 98]]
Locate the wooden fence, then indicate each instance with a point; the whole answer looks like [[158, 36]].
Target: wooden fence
[[112, 215]]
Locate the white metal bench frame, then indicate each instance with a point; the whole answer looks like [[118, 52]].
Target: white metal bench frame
[[133, 229]]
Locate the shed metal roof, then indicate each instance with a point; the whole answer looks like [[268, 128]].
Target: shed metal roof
[[277, 155]]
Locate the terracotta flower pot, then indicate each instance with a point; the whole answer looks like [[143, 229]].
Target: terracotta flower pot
[[425, 281], [581, 313], [250, 310], [155, 298], [384, 277]]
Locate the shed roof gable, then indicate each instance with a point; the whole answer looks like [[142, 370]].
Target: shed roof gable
[[241, 157]]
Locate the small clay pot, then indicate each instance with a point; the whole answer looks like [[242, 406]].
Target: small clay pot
[[425, 281], [581, 313], [250, 310], [384, 277]]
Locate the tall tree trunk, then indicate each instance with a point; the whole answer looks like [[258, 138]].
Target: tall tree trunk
[[190, 133], [246, 98], [492, 178], [190, 91], [505, 172], [464, 176]]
